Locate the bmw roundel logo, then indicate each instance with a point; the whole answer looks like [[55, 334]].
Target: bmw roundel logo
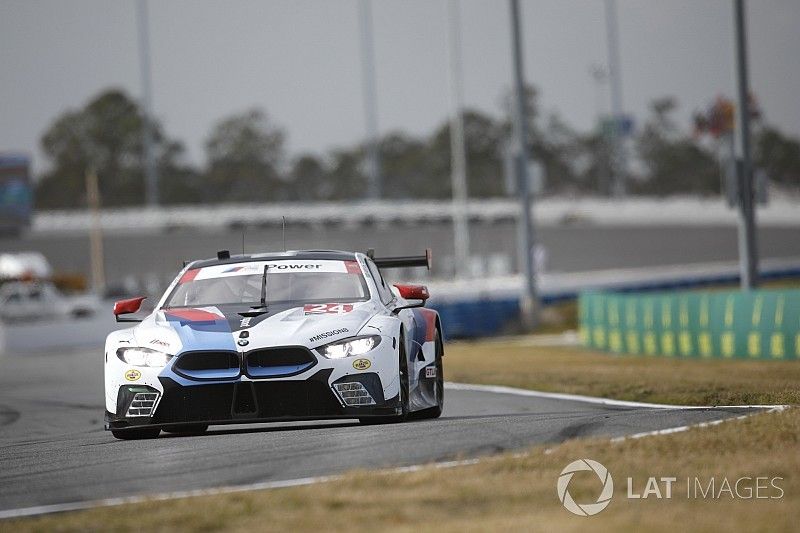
[[243, 342]]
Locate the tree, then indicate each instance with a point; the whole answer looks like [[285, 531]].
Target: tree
[[553, 145], [245, 153], [779, 156], [484, 139], [308, 180], [106, 135], [592, 163], [406, 167], [347, 179], [675, 164]]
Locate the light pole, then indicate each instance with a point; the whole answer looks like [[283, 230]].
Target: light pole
[[618, 159], [528, 303], [599, 74], [150, 170], [748, 251], [458, 156], [375, 185]]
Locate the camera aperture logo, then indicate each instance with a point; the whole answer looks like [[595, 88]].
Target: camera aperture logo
[[585, 509]]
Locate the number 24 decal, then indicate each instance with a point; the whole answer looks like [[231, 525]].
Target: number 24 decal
[[323, 309]]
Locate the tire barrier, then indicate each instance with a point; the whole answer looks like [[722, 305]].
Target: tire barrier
[[759, 324]]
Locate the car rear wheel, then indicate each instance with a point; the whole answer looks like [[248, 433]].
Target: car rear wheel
[[438, 389], [136, 433]]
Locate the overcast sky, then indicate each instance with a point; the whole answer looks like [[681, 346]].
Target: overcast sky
[[299, 60]]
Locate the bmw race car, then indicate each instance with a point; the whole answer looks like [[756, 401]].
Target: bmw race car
[[299, 335]]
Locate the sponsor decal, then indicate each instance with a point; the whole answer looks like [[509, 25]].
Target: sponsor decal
[[430, 372], [362, 364], [132, 375], [294, 266], [159, 342], [327, 309], [240, 269], [245, 323], [327, 334], [585, 509], [274, 267]]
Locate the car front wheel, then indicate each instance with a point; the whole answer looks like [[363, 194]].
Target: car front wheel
[[403, 377]]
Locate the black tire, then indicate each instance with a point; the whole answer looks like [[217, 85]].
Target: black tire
[[436, 411], [136, 433], [187, 429], [403, 376]]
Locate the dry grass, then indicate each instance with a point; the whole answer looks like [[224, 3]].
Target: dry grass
[[506, 493], [626, 377]]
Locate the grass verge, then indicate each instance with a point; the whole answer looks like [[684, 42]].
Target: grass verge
[[511, 492], [576, 370]]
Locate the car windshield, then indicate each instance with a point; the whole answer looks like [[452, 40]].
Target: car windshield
[[288, 281]]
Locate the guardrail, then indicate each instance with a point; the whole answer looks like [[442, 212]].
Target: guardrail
[[638, 211]]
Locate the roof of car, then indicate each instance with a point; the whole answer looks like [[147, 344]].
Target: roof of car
[[331, 255]]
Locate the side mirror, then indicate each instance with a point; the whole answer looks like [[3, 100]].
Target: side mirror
[[124, 307], [412, 292]]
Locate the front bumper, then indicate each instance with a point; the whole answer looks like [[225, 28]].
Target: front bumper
[[248, 401]]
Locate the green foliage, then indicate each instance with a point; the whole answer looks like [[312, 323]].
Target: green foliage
[[675, 163], [307, 179], [107, 135], [244, 156], [779, 156], [246, 160], [484, 140]]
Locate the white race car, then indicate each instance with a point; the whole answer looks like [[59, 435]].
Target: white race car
[[277, 336]]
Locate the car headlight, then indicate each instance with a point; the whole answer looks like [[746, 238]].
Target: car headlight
[[143, 357], [350, 347]]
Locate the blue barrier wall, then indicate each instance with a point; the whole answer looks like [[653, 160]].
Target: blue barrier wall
[[484, 317]]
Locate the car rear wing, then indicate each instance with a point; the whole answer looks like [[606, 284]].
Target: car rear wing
[[402, 262]]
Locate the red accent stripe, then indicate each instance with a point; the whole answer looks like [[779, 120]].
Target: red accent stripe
[[189, 275], [194, 315], [352, 267], [430, 323]]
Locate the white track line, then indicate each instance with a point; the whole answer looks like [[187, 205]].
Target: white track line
[[110, 502], [498, 389], [680, 429]]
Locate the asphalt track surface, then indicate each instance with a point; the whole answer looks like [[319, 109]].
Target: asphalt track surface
[[159, 255], [53, 448]]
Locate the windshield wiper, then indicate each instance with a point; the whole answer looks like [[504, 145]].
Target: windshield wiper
[[259, 309], [264, 287]]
